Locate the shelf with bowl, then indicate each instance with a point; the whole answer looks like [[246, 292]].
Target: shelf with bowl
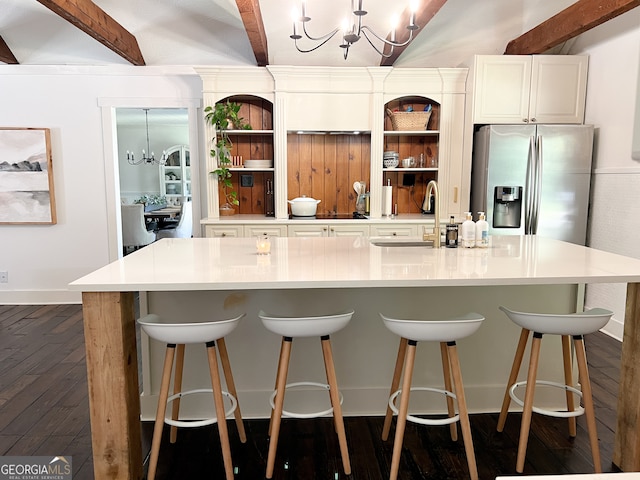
[[256, 165]]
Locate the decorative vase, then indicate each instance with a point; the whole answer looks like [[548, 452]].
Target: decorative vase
[[227, 209]]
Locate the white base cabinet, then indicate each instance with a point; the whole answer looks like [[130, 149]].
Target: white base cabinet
[[268, 230], [411, 226], [323, 230], [515, 89], [394, 231], [211, 231]]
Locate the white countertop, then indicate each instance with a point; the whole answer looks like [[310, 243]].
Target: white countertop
[[233, 263]]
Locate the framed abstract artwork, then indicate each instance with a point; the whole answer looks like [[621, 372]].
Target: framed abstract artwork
[[26, 177]]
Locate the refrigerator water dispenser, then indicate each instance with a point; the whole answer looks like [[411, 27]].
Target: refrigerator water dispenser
[[507, 207]]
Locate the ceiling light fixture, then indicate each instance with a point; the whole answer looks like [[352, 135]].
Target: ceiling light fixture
[[151, 159], [352, 31]]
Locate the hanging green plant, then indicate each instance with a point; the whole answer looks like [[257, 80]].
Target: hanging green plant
[[225, 116]]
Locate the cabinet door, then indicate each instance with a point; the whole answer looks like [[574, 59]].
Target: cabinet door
[[269, 230], [352, 230], [308, 230], [223, 231], [501, 90], [558, 89], [394, 230]]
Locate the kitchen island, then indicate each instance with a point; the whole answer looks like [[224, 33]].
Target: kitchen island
[[218, 277]]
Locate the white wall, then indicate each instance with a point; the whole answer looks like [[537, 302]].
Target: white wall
[[614, 66], [42, 260]]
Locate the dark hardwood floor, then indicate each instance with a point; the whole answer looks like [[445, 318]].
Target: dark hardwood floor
[[44, 411]]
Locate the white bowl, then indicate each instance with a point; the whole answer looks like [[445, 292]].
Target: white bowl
[[257, 163], [390, 162]]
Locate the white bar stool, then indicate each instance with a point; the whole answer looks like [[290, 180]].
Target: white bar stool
[[575, 325], [446, 332], [176, 335], [288, 328]]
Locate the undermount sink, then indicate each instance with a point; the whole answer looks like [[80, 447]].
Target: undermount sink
[[401, 242]]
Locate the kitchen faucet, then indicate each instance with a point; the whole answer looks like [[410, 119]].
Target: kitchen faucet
[[432, 189]]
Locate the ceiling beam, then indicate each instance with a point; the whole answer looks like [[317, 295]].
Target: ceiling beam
[[570, 22], [253, 24], [426, 11], [6, 55], [93, 21]]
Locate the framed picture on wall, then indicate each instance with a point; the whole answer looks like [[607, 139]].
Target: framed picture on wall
[[26, 177]]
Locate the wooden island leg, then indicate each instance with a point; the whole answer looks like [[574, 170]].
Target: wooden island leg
[[626, 453], [112, 378]]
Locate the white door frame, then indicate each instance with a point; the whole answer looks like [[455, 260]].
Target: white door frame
[[112, 173]]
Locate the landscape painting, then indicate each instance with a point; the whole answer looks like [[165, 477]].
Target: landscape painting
[[26, 177]]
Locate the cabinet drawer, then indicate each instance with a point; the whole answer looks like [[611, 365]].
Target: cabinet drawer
[[269, 230], [349, 230], [211, 231], [394, 230], [308, 230]]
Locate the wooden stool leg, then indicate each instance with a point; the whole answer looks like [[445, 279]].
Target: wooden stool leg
[[281, 376], [515, 368], [395, 382], [465, 425], [335, 402], [275, 385], [161, 410], [220, 413], [568, 380], [401, 422], [587, 398], [446, 371], [231, 387], [528, 401], [177, 388]]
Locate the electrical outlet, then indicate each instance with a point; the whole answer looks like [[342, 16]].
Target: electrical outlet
[[4, 277]]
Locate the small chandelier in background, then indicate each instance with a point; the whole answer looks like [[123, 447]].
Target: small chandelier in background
[[352, 31], [151, 159]]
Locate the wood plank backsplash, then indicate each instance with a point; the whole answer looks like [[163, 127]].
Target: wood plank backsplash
[[326, 166]]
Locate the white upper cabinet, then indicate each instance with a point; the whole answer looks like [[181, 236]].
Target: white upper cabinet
[[515, 89]]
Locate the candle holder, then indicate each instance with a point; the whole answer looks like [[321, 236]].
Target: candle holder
[[263, 245]]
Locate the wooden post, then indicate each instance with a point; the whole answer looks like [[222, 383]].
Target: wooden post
[[626, 452], [112, 378]]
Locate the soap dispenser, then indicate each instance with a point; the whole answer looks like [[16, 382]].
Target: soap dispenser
[[482, 231], [468, 231]]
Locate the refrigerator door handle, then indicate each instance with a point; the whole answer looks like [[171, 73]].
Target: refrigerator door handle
[[528, 186], [538, 186]]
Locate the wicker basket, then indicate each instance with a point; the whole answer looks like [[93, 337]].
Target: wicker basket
[[409, 121]]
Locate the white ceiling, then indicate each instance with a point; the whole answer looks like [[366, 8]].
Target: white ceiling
[[211, 32]]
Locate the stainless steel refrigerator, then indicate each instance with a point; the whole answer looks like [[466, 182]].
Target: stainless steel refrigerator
[[533, 179]]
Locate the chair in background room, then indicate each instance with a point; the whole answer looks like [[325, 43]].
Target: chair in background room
[[184, 227], [134, 231]]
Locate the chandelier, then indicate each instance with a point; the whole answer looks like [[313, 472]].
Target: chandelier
[[148, 160], [352, 30]]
